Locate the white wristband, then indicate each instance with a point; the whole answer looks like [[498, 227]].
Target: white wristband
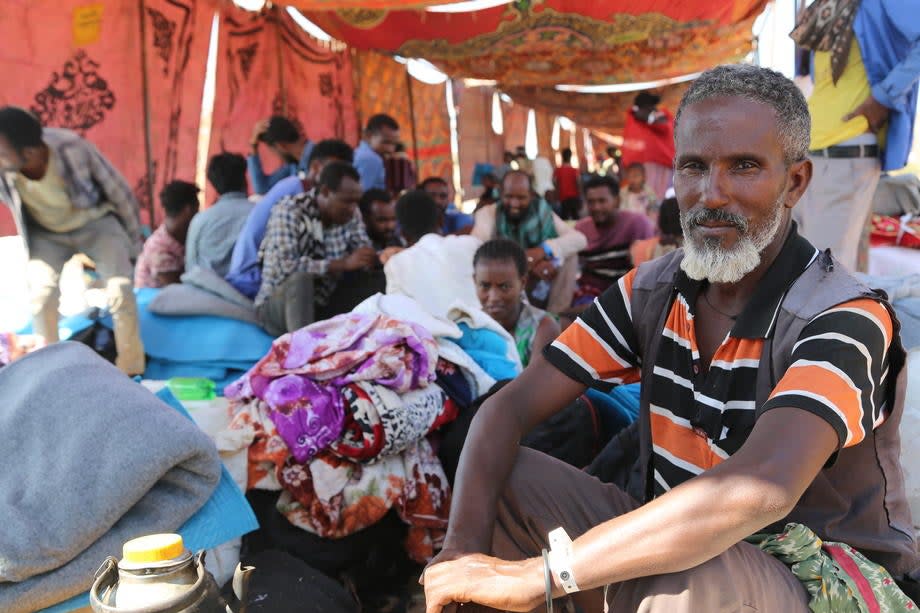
[[560, 560]]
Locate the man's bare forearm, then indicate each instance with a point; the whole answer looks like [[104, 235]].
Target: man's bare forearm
[[488, 456]]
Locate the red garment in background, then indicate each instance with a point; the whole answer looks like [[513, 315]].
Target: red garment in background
[[644, 142], [566, 178], [400, 174]]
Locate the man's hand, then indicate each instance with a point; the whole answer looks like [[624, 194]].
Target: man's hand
[[257, 131], [387, 253], [362, 257], [874, 111], [502, 585], [545, 270]]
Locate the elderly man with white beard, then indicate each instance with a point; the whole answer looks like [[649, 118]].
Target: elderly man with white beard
[[768, 406]]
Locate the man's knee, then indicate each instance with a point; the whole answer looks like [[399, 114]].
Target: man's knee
[[43, 281], [299, 284], [120, 294]]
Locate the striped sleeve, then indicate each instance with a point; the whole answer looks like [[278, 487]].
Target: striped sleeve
[[599, 348], [839, 369]]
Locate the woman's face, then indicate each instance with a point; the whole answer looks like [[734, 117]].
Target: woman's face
[[499, 287]]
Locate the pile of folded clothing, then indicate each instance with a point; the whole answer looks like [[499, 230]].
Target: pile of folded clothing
[[13, 346], [338, 416]]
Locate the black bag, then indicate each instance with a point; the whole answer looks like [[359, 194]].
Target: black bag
[[282, 583], [97, 337], [573, 435]]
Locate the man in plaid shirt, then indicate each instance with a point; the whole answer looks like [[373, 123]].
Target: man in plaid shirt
[[311, 239], [67, 198]]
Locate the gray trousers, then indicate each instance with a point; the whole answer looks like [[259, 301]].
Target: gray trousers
[[543, 493], [107, 243], [290, 307], [836, 208]]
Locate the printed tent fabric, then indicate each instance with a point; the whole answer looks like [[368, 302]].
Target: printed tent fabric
[[544, 42], [382, 86], [362, 5], [600, 111], [88, 80], [268, 65]]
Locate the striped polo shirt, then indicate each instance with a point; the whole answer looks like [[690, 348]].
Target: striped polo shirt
[[839, 367]]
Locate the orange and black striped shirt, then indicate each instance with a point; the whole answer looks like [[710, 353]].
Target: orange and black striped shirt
[[839, 368]]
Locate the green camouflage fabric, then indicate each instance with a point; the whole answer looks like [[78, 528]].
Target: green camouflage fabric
[[838, 578]]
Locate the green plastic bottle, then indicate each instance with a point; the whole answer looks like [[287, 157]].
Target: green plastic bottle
[[192, 388]]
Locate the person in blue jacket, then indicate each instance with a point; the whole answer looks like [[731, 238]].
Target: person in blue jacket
[[865, 66], [381, 135], [287, 141]]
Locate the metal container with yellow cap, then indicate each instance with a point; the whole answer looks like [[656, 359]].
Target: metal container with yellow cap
[[156, 574]]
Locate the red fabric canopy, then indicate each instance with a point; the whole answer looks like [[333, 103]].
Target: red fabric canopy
[[362, 5], [545, 42]]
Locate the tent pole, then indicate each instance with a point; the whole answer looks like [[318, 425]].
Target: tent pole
[[412, 120], [278, 52], [145, 92]]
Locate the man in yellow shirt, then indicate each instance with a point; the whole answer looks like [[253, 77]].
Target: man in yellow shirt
[[866, 65], [67, 199]]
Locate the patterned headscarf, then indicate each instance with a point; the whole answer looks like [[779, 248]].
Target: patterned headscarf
[[827, 25], [530, 231]]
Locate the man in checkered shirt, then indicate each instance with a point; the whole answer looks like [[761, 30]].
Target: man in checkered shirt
[[311, 239]]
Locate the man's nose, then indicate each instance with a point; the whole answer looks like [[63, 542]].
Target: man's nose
[[713, 194]]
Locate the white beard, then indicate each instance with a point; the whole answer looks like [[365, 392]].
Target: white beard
[[705, 259]]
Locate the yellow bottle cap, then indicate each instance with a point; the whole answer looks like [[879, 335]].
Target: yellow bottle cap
[[153, 548]]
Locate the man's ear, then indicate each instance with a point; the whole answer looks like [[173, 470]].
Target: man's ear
[[799, 178]]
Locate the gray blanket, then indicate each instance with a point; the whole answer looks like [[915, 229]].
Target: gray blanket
[[90, 459], [203, 292]]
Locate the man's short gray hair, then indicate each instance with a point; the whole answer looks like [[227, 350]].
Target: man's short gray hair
[[760, 85]]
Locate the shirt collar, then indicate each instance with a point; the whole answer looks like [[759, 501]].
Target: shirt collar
[[759, 316], [304, 163], [233, 196]]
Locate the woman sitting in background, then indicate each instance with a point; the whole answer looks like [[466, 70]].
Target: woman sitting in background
[[500, 272], [670, 235]]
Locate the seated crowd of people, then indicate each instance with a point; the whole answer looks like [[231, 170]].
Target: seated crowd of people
[[315, 242]]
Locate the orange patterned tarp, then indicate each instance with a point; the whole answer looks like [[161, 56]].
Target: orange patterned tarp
[[545, 42], [382, 87]]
